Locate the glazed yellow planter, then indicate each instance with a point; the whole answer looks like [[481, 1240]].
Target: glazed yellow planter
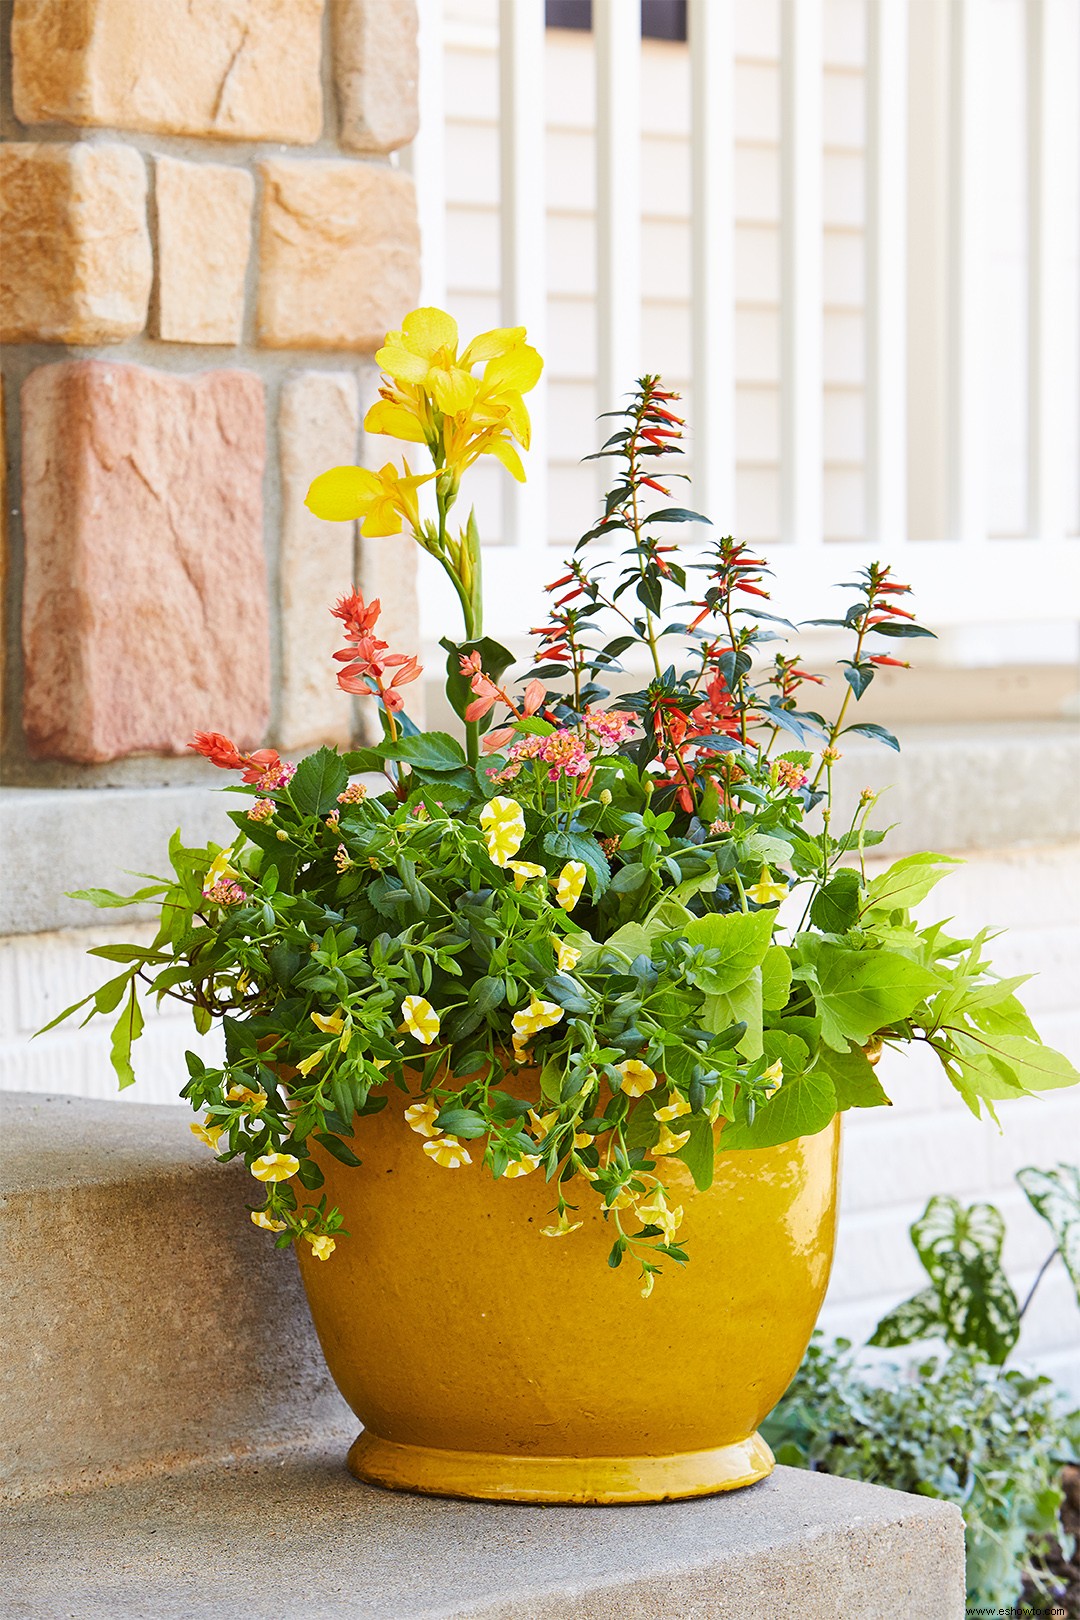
[[486, 1360]]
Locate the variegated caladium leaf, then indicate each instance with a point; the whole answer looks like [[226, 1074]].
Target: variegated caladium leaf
[[1055, 1195]]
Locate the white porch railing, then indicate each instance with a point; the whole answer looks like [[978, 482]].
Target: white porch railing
[[964, 575]]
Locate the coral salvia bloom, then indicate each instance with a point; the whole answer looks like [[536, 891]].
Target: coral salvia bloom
[[264, 767], [275, 1167]]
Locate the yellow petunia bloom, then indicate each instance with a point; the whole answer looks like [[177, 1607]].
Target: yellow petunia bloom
[[774, 1074], [637, 1078], [521, 1167], [673, 1110], [421, 1117], [531, 1020], [208, 1133], [503, 821], [523, 871], [448, 1151], [275, 1167], [321, 1247], [669, 1142], [267, 1222], [382, 500], [567, 956], [255, 1100], [570, 884], [419, 1018], [564, 1226], [766, 893]]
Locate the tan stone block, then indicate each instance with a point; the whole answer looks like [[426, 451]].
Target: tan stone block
[[76, 264], [339, 253], [318, 427], [204, 241], [144, 599], [375, 73], [233, 69]]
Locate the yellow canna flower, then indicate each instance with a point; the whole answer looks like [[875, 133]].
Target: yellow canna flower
[[208, 1133], [765, 892], [523, 871], [521, 1167], [673, 1110], [669, 1142], [503, 821], [774, 1074], [380, 499], [570, 884], [567, 956], [266, 1221], [255, 1100], [275, 1167], [637, 1079], [312, 1061], [564, 1226], [421, 1116], [321, 1247], [419, 1018], [531, 1020], [448, 1151]]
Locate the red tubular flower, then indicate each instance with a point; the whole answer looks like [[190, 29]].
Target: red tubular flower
[[654, 485], [881, 658]]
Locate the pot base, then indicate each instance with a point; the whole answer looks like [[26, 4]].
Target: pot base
[[499, 1477]]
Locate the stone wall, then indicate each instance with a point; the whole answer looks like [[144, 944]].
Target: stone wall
[[205, 235]]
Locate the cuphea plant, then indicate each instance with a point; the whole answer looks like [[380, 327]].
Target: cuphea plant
[[558, 943]]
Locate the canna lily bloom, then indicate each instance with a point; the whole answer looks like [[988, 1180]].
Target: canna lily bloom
[[675, 1109], [207, 1132], [669, 1142], [564, 1226], [260, 1217], [521, 1167], [531, 1020], [503, 821], [448, 1152], [420, 1019], [275, 1167], [570, 883], [524, 870], [381, 500], [567, 956], [321, 1247], [774, 1074], [765, 892], [637, 1077], [421, 1117]]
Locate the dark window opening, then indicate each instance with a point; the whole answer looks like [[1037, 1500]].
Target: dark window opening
[[660, 19]]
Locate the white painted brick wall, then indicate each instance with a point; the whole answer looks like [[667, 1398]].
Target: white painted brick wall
[[893, 1162]]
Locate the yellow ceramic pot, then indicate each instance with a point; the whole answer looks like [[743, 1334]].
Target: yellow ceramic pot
[[486, 1360]]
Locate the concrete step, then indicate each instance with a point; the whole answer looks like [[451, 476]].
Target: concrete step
[[299, 1537]]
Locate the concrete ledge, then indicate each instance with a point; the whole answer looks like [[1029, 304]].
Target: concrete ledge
[[147, 1322], [299, 1537]]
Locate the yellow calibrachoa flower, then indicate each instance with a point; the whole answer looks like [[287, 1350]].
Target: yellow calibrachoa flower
[[329, 1023], [312, 1061], [673, 1110], [765, 892], [381, 499], [564, 1226], [570, 884], [321, 1247], [669, 1142], [448, 1151], [531, 1020], [275, 1167], [567, 956], [582, 1139], [647, 1285], [540, 1124], [503, 821], [421, 1116], [523, 871], [208, 1133], [255, 1100], [267, 1222], [218, 870], [774, 1074], [420, 1019], [521, 1167], [654, 1211], [637, 1078]]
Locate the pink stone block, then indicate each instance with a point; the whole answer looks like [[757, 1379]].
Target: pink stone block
[[145, 613]]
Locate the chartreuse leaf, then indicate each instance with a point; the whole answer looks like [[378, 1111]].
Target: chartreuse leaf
[[1055, 1195], [105, 898], [908, 881], [126, 1030], [740, 937], [318, 781], [854, 1079], [775, 978], [699, 1153], [835, 907], [859, 992], [803, 1106], [740, 1006]]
